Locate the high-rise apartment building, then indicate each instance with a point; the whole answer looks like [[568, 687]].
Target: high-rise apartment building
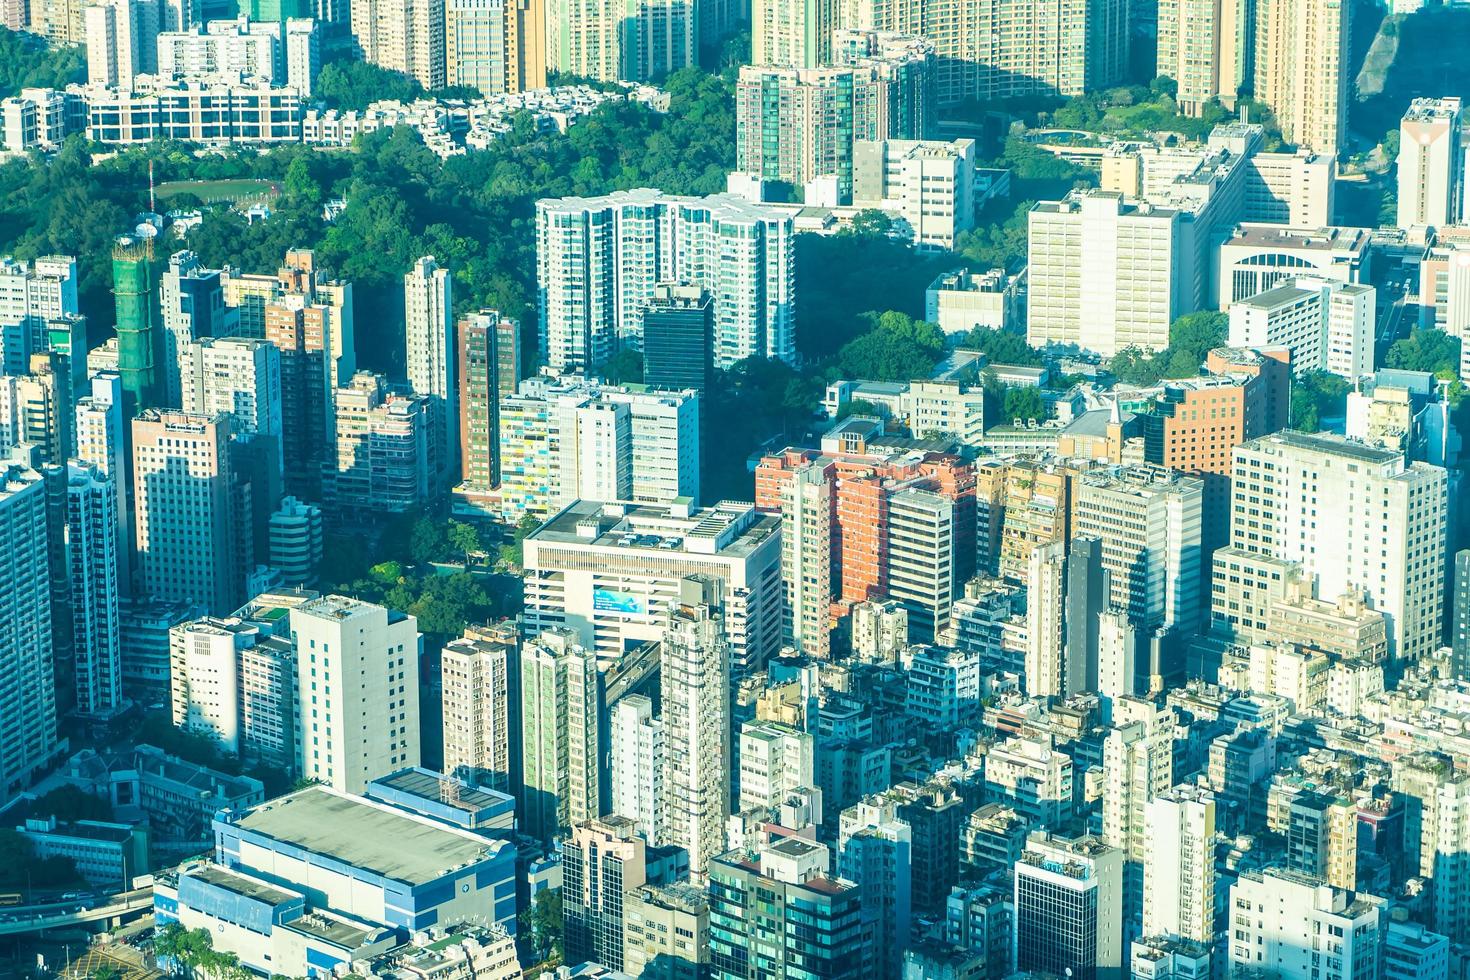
[[357, 670], [186, 531], [1179, 865], [1068, 897], [895, 526], [927, 184], [234, 680], [385, 450], [1460, 616], [294, 541], [1437, 834], [402, 35], [806, 560], [1303, 69], [792, 33], [1066, 593], [562, 732], [599, 261], [562, 441], [775, 761], [602, 865], [875, 851], [1354, 517], [238, 377], [489, 370], [636, 766], [481, 679], [1104, 272], [36, 409], [284, 53], [100, 442], [1194, 424], [496, 46], [613, 41], [29, 739], [998, 49], [1431, 164], [90, 539], [1138, 765], [1207, 47], [121, 38], [666, 932], [31, 295], [798, 125], [695, 692], [1148, 519], [430, 355], [787, 892], [1276, 916], [191, 307]]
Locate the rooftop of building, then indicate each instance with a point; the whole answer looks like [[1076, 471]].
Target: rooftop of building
[[363, 834], [97, 830], [1276, 236], [243, 885], [962, 280], [1328, 444], [729, 528], [1282, 295], [442, 790], [681, 897], [727, 205], [332, 929], [1077, 200]]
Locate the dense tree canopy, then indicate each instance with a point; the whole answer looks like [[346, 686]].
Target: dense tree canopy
[[1317, 396], [1427, 349], [1002, 347], [897, 348], [26, 62]]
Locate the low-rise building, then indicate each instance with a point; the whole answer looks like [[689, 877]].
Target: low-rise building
[[107, 855], [958, 302]]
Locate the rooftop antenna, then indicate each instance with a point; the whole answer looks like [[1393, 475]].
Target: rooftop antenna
[[152, 205]]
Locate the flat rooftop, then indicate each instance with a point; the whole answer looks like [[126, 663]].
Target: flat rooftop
[[252, 888], [1326, 239], [426, 785], [1333, 445], [365, 835], [329, 928], [729, 528]]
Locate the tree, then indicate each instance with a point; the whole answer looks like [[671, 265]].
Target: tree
[[427, 541], [1196, 334], [68, 804], [1024, 402], [465, 538], [1135, 366], [624, 367], [1315, 397], [1002, 347], [26, 61], [859, 406], [546, 923], [898, 348], [1427, 349], [351, 84]]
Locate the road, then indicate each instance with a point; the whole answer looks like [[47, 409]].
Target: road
[[39, 918]]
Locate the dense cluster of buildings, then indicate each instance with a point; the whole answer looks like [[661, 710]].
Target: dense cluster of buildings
[[1160, 687]]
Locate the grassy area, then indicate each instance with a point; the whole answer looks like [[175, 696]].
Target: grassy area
[[212, 191]]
